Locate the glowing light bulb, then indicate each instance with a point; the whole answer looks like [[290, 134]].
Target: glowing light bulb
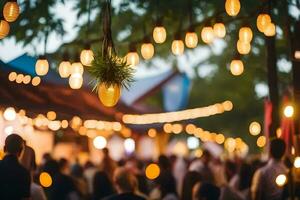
[[75, 81], [270, 30], [191, 39], [254, 128], [297, 162], [129, 145], [12, 76], [77, 68], [159, 34], [177, 47], [232, 7], [99, 142], [261, 141], [207, 34], [152, 171], [4, 28], [109, 95], [45, 179], [132, 58], [245, 34], [64, 69], [288, 111], [193, 142], [42, 66], [86, 57], [262, 21], [36, 81], [147, 50], [11, 11], [243, 47], [236, 67], [219, 30], [281, 180], [9, 114]]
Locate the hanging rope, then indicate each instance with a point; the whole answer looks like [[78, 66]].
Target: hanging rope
[[108, 45]]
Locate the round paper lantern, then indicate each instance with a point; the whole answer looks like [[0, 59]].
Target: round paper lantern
[[64, 69], [159, 34], [270, 30], [86, 57], [147, 50], [77, 68], [236, 67], [219, 30], [132, 58], [75, 81], [4, 28], [42, 66], [245, 34], [191, 39], [262, 21], [11, 11], [232, 7], [243, 47], [109, 95], [177, 47], [207, 34]]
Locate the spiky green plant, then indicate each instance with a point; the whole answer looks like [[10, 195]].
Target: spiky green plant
[[111, 70]]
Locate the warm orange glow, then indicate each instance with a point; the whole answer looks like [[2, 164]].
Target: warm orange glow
[[191, 39], [152, 171], [152, 132], [86, 57], [147, 50], [11, 11], [41, 67], [159, 34], [232, 7], [177, 47], [77, 68], [109, 95], [12, 76], [75, 81], [133, 58], [243, 47], [36, 81], [245, 34], [219, 30], [4, 28], [207, 34], [45, 179], [262, 21], [254, 128], [261, 141], [236, 67], [51, 115], [64, 69], [270, 30]]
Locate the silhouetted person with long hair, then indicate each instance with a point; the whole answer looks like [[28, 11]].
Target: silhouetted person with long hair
[[102, 186], [189, 181], [14, 178]]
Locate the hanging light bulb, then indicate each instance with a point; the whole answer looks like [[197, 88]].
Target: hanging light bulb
[[11, 11], [232, 7], [245, 34], [87, 56], [75, 81], [41, 66], [207, 34], [64, 68], [262, 21], [191, 38], [236, 67], [109, 95], [4, 28], [159, 33], [132, 56], [77, 67], [243, 47], [270, 30], [147, 49], [177, 45], [219, 30]]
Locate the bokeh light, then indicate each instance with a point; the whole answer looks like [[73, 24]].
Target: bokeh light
[[45, 179], [152, 171]]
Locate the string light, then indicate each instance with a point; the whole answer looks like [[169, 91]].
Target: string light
[[281, 180], [245, 34], [87, 56], [152, 171], [132, 57], [177, 45], [152, 133], [297, 162], [254, 128], [11, 11], [4, 28], [261, 141], [159, 33], [243, 47], [288, 111], [129, 145], [36, 81], [207, 34], [9, 114], [45, 179], [64, 69], [236, 67], [219, 30], [75, 81], [77, 68], [270, 30], [99, 142], [147, 49], [262, 21], [42, 66], [232, 7], [109, 95], [179, 115], [191, 38], [12, 76]]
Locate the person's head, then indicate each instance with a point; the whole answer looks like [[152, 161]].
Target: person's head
[[63, 165], [124, 180], [277, 148], [206, 191], [189, 181], [102, 186], [13, 145], [206, 157], [164, 162]]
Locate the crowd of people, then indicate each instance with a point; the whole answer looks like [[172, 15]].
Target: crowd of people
[[204, 178]]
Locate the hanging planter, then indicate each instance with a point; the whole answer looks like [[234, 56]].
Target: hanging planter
[[111, 73]]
